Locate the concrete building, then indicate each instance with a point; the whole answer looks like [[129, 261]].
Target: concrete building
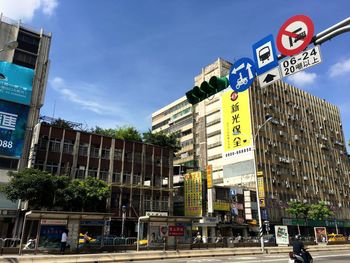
[[31, 54], [141, 175], [300, 154]]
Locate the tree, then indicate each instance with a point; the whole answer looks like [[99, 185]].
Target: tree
[[41, 189], [161, 138], [298, 210], [61, 123], [127, 133], [86, 195], [319, 211]]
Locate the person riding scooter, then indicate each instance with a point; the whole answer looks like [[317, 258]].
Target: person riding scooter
[[299, 249]]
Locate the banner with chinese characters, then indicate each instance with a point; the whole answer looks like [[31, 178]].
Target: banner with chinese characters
[[261, 189], [16, 83], [282, 236], [193, 194], [13, 120], [236, 127]]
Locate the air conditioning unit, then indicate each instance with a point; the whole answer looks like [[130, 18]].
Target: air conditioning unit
[[305, 178], [296, 137]]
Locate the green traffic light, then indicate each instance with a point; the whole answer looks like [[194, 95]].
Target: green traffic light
[[207, 89]]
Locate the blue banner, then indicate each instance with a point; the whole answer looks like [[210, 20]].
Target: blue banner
[[16, 83], [13, 120]]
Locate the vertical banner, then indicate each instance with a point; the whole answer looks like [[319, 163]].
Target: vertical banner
[[13, 119], [236, 127], [261, 189], [282, 236], [247, 206], [16, 83], [193, 194], [209, 176]]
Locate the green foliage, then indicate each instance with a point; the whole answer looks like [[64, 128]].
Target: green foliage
[[319, 211], [87, 195], [163, 139], [41, 189], [297, 209], [61, 123], [127, 133]]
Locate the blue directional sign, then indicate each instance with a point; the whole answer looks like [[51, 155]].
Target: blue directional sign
[[265, 54], [242, 74]]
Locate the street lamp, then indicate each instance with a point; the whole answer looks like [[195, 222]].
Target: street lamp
[[256, 179], [123, 219], [9, 46], [269, 118]]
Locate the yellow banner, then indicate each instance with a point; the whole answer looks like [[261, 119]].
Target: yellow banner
[[209, 176], [261, 191], [219, 206], [236, 123], [193, 194]]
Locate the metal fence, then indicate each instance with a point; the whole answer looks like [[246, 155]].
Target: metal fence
[[10, 244]]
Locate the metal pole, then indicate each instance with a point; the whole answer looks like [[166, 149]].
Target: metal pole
[[138, 235], [256, 183], [123, 219], [257, 196]]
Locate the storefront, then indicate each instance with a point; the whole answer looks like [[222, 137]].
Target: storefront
[[46, 228]]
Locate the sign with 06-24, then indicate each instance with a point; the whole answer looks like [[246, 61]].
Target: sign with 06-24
[[302, 61]]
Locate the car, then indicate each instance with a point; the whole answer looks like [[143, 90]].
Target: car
[[336, 237]]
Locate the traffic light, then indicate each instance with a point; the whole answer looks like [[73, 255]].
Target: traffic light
[[207, 89]]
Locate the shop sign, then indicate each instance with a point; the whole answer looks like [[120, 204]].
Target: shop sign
[[176, 231], [53, 222], [92, 222], [282, 237], [219, 206], [149, 213]]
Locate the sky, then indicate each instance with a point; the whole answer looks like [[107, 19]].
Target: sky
[[115, 62]]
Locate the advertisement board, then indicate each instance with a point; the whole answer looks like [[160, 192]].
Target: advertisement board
[[282, 236], [16, 83], [238, 150], [13, 119], [320, 234], [193, 194]]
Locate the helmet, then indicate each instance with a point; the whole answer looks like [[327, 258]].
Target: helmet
[[298, 237]]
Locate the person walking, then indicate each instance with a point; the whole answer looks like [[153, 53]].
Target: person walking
[[64, 238]]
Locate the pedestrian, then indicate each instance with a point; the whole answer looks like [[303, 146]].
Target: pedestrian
[[64, 238]]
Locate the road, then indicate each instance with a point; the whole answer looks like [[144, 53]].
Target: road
[[324, 256]]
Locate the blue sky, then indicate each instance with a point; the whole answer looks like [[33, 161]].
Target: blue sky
[[115, 62]]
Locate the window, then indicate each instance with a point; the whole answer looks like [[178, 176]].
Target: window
[[94, 152], [105, 154], [118, 154], [68, 147], [55, 145], [104, 176], [92, 172], [83, 150]]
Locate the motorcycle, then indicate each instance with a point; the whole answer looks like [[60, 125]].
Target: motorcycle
[[295, 258]]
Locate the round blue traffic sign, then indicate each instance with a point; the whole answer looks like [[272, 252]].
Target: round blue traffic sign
[[242, 74]]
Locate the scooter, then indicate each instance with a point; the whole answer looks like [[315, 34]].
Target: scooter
[[295, 258], [30, 244]]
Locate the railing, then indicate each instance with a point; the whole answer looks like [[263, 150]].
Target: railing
[[11, 243]]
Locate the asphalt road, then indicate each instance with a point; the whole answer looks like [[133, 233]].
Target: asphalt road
[[324, 256]]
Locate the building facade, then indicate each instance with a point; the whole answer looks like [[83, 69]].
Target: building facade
[[300, 154], [140, 175], [24, 73]]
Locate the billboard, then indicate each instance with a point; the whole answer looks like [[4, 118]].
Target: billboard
[[13, 120], [193, 194], [16, 83], [238, 151], [282, 236]]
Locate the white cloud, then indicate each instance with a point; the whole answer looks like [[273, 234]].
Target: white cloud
[[303, 78], [85, 95], [340, 68], [24, 9]]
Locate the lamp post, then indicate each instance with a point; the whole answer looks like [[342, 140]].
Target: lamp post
[[123, 219], [256, 181], [9, 46]]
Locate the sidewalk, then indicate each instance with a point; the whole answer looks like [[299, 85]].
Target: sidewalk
[[153, 255]]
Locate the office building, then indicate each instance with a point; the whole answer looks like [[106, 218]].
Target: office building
[[300, 153], [24, 72], [140, 175]]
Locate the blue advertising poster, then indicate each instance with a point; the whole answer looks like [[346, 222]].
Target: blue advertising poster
[[15, 83], [13, 119]]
